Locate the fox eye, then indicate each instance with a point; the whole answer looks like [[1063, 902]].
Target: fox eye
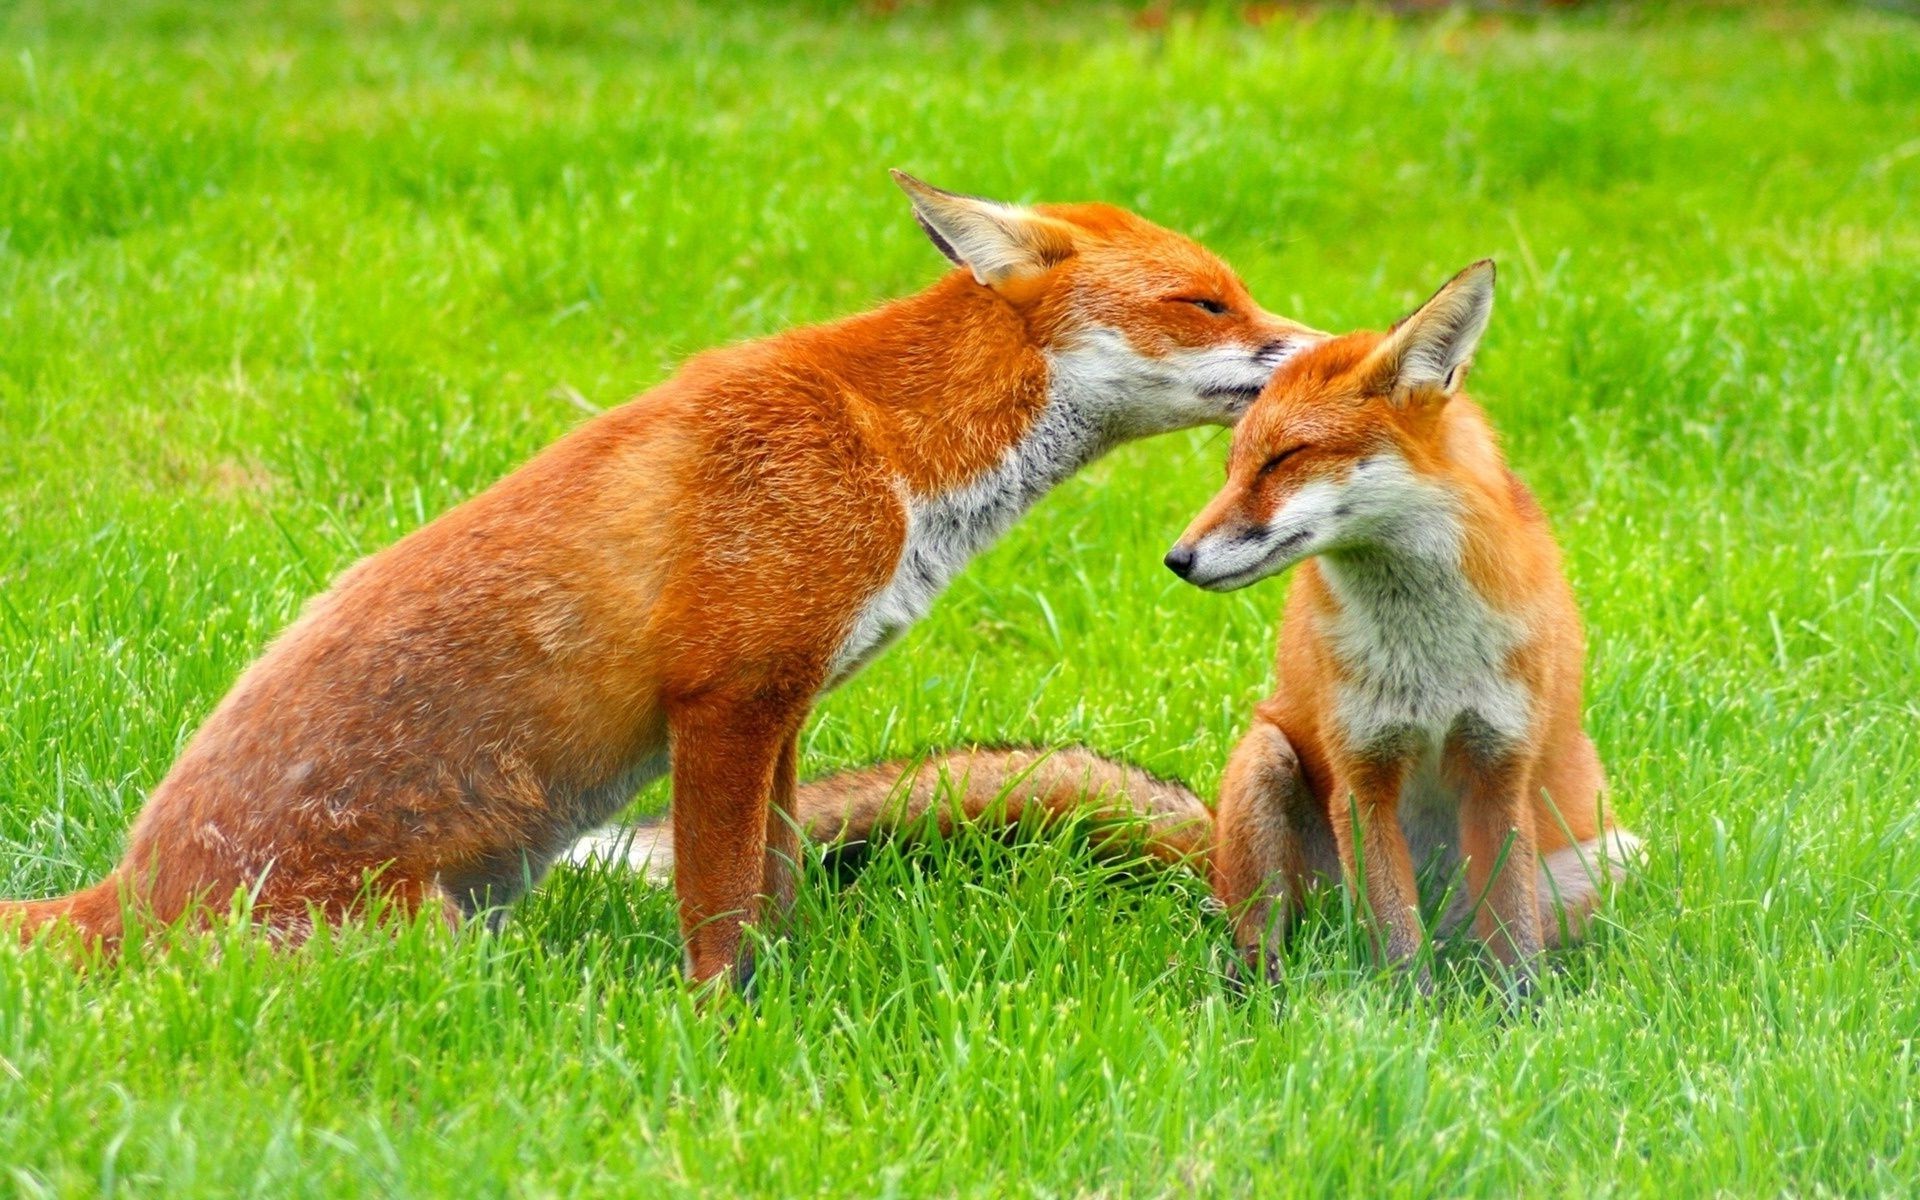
[[1281, 457], [1208, 305]]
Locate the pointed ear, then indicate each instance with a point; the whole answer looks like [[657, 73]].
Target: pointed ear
[[997, 242], [1430, 349]]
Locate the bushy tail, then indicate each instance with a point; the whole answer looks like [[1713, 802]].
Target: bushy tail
[[1136, 810], [1574, 879], [91, 914]]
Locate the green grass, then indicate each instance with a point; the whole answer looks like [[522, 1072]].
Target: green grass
[[279, 283]]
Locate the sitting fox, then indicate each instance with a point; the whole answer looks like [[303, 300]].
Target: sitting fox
[[1427, 713], [670, 587]]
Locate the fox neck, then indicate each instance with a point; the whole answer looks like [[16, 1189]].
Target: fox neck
[[1405, 581], [1436, 527], [949, 383], [1423, 645], [988, 422]]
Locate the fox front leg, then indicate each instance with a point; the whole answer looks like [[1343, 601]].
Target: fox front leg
[[1376, 860], [728, 757], [780, 872], [1498, 840]]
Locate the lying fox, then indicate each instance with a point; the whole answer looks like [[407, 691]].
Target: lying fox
[[672, 585], [1428, 708]]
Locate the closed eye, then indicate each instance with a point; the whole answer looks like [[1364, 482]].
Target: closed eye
[[1281, 457], [1206, 304]]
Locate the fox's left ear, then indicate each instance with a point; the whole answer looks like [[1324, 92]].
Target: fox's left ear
[[1429, 350], [998, 242]]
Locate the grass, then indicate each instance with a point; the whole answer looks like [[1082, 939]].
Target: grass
[[280, 282]]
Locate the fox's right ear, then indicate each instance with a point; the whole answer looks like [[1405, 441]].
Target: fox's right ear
[[1430, 349], [997, 242]]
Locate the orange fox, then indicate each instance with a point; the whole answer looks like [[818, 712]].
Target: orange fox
[[1428, 708], [670, 586], [1428, 703]]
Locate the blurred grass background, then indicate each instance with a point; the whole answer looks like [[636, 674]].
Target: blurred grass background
[[280, 282]]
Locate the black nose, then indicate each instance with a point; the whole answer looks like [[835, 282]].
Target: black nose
[[1179, 560], [1275, 352]]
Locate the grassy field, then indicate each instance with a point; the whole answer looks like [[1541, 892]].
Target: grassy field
[[279, 283]]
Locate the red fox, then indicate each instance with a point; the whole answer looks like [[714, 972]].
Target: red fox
[[1428, 702], [1428, 709], [670, 586]]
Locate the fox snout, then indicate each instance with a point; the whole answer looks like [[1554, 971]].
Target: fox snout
[[1179, 560], [1226, 379], [1281, 348], [1228, 547], [1251, 376], [1224, 561], [1286, 339]]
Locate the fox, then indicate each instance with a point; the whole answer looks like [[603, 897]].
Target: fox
[[668, 588], [1427, 711], [1427, 714]]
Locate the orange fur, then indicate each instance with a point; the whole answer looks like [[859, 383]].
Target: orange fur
[[675, 582]]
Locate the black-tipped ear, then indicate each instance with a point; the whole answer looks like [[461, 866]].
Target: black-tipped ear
[[997, 242], [1431, 348]]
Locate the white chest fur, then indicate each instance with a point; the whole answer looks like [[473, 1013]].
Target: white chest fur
[[945, 530], [1100, 392], [1423, 651]]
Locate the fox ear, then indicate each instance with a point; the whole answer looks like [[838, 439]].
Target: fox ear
[[1430, 349], [997, 242]]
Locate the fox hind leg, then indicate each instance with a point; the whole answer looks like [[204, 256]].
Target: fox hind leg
[[291, 909], [1271, 843]]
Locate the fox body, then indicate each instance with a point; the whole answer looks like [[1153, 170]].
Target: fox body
[[1428, 708], [669, 587]]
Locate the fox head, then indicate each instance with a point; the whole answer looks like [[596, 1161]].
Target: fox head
[[1343, 449], [1142, 327]]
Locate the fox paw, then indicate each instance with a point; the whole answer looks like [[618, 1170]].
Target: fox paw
[[1247, 967]]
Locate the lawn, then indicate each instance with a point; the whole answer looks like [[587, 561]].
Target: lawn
[[279, 282]]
